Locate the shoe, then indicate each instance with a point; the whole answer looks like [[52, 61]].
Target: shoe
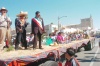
[[16, 48], [34, 48], [40, 48], [25, 48]]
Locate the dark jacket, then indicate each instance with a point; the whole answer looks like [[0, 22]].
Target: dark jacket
[[35, 28], [18, 27]]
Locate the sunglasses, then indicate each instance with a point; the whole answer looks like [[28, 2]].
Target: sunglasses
[[4, 11]]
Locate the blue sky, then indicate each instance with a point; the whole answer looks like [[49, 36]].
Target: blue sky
[[51, 9]]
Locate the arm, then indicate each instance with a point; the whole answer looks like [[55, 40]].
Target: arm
[[17, 24], [43, 25], [32, 26], [9, 22], [26, 23]]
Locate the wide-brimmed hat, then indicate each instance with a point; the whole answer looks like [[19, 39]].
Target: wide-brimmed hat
[[3, 8], [22, 14]]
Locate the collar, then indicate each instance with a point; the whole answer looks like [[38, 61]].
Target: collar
[[69, 60]]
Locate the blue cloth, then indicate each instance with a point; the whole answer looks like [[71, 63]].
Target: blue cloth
[[49, 41]]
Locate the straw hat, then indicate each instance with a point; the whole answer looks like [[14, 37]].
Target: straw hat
[[22, 14], [3, 8]]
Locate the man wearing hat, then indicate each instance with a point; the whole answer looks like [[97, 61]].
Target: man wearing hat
[[37, 26], [4, 21], [21, 24]]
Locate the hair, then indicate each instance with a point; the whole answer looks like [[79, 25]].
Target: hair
[[37, 12], [70, 52], [50, 34]]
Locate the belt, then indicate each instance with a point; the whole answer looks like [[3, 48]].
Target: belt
[[3, 26]]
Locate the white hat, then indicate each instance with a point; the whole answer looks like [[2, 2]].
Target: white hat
[[3, 8], [22, 14]]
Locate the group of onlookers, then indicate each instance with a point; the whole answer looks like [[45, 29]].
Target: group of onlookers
[[64, 38]]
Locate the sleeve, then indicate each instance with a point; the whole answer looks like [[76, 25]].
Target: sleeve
[[43, 25], [74, 63], [10, 22], [32, 26], [17, 24], [26, 23]]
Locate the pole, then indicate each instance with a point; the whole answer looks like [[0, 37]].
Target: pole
[[58, 24], [58, 21]]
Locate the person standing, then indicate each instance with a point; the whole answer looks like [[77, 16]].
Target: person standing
[[21, 24], [4, 21], [37, 26]]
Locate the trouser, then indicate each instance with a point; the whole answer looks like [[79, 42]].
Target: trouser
[[21, 38], [36, 38], [8, 35], [2, 36]]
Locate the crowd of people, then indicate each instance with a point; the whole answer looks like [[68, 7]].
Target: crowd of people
[[37, 29], [64, 38]]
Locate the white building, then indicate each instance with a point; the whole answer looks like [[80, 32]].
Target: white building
[[50, 28]]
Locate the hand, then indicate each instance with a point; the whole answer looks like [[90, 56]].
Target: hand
[[21, 24], [27, 23], [8, 26], [44, 32], [20, 30]]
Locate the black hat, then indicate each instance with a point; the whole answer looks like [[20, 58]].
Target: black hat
[[37, 12], [70, 52]]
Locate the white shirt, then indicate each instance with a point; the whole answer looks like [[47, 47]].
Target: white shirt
[[3, 21]]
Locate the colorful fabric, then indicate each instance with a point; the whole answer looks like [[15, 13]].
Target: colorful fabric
[[22, 61], [49, 41], [38, 23]]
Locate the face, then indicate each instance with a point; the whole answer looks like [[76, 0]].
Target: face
[[38, 15], [66, 55], [3, 11], [22, 17]]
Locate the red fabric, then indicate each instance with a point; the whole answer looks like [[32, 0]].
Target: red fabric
[[7, 43], [60, 38], [37, 23], [68, 63], [59, 63]]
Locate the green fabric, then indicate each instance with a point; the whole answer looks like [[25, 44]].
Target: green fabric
[[49, 41]]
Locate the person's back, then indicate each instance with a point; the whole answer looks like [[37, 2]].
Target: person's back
[[71, 60]]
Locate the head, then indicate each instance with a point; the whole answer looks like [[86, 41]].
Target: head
[[22, 17], [60, 33], [69, 53], [31, 34], [37, 14], [3, 11], [50, 35]]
